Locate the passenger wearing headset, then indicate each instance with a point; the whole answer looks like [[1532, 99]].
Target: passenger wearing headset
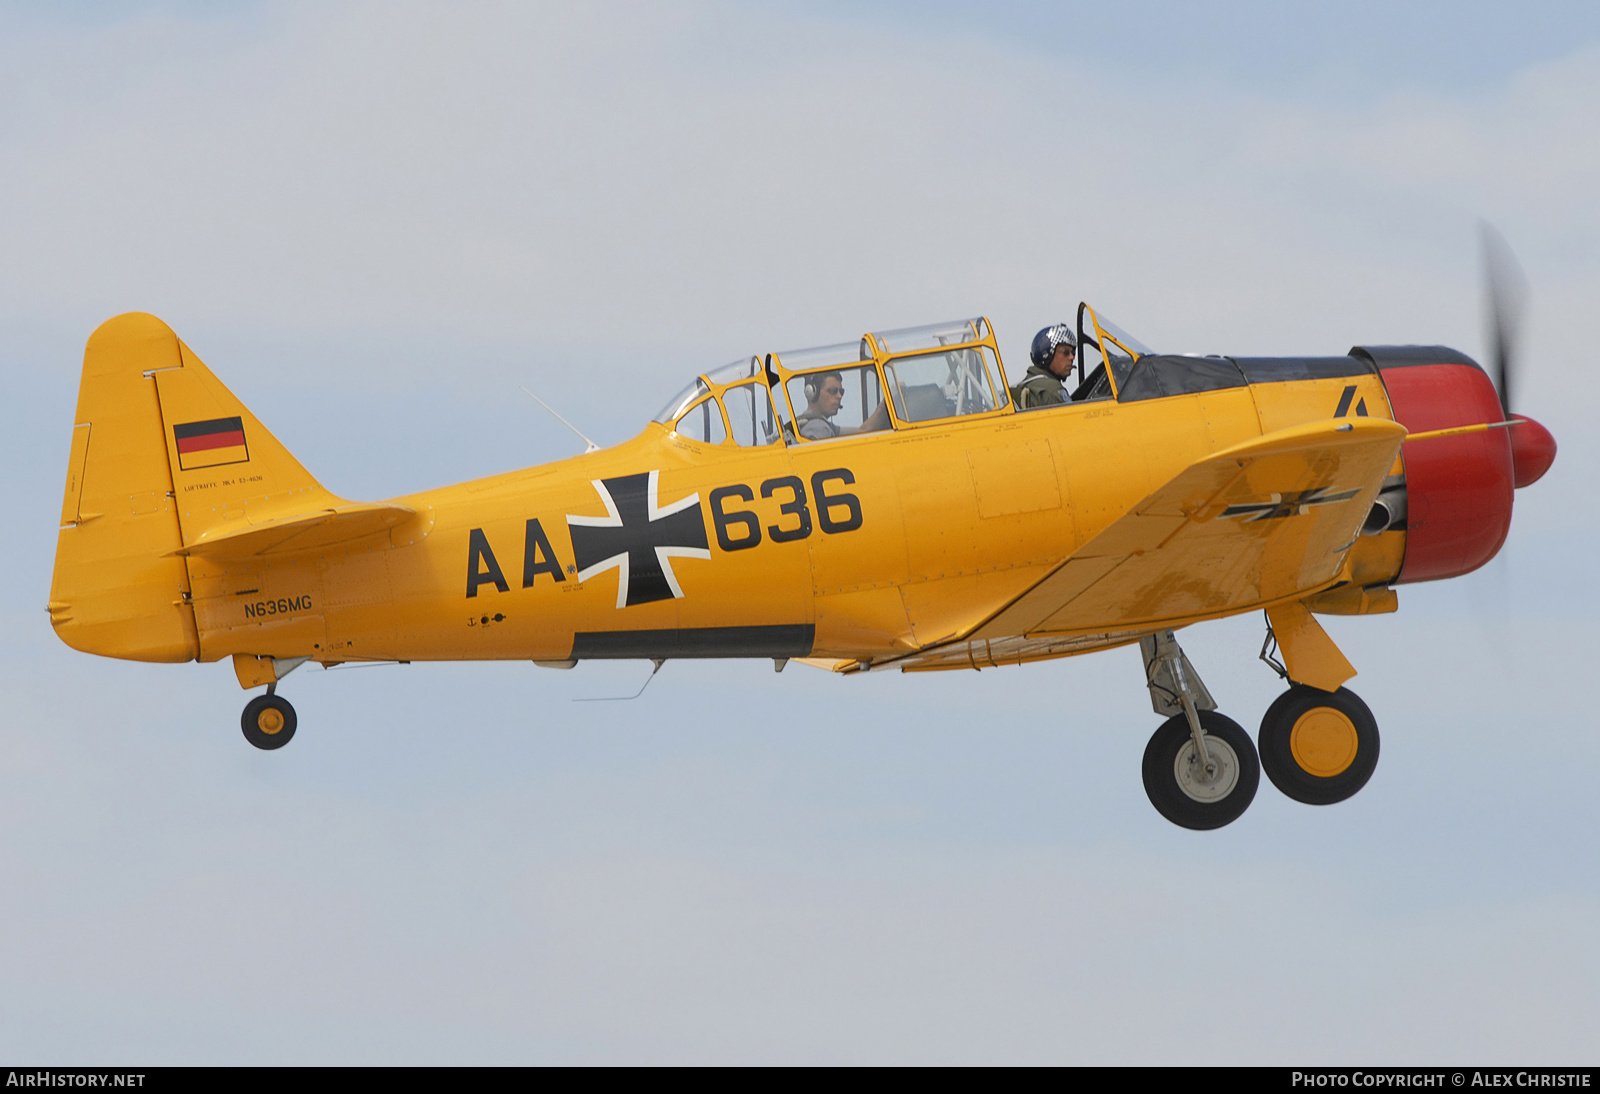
[[1052, 354], [824, 395]]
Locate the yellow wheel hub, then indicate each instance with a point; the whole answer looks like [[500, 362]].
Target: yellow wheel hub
[[270, 721], [1323, 742]]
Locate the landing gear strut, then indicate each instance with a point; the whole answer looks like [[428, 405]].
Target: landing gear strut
[[1200, 768], [268, 720]]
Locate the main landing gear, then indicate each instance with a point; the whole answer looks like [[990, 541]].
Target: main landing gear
[[1200, 768], [1319, 748], [268, 720]]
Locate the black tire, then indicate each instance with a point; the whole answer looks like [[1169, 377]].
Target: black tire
[[268, 721], [1340, 756], [1167, 791]]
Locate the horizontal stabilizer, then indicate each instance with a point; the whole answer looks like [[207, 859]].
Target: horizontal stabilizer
[[297, 531]]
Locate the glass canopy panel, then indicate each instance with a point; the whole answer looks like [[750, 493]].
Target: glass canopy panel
[[742, 369], [702, 422], [929, 386], [932, 336], [750, 415], [840, 353], [838, 402], [676, 404]]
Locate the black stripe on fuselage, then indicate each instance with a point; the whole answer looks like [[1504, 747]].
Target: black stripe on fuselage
[[1274, 370], [777, 640]]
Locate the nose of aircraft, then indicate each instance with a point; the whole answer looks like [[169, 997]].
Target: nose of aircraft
[[1533, 450]]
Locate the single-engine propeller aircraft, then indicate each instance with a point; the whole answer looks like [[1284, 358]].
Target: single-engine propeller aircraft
[[878, 504]]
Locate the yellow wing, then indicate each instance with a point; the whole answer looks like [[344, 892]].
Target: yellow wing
[[1264, 521]]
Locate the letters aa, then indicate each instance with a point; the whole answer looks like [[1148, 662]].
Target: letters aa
[[539, 557]]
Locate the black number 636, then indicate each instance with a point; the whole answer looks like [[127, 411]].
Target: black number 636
[[740, 529]]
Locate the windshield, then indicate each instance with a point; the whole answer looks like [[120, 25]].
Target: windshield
[[678, 402], [1099, 324]]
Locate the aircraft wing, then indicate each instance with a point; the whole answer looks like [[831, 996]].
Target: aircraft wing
[[1252, 524], [297, 531]]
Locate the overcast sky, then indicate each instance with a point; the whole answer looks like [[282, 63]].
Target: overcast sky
[[374, 220]]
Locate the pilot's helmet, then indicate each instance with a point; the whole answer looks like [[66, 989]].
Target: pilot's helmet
[[1046, 341]]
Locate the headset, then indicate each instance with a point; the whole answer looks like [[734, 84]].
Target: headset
[[813, 383]]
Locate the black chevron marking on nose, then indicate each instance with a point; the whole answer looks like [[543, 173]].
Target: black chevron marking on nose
[[1345, 397]]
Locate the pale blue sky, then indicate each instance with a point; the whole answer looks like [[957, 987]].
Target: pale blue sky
[[1367, 48], [373, 221]]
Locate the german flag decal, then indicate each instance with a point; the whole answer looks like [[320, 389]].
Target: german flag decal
[[210, 444]]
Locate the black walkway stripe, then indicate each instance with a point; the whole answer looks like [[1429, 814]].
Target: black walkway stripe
[[777, 640]]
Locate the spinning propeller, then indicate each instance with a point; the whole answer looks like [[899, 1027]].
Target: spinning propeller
[[1505, 293], [1505, 289]]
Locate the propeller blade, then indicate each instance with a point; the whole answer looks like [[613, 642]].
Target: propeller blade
[[1505, 293]]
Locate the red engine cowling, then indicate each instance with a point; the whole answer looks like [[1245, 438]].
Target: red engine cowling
[[1458, 488]]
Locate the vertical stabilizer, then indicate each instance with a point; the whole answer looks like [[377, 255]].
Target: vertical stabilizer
[[118, 590], [228, 471]]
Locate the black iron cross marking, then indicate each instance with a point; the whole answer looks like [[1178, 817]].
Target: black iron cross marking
[[639, 538], [1292, 504]]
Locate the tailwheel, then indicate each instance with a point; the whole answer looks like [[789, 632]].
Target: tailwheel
[[1319, 747], [1195, 791], [268, 721]]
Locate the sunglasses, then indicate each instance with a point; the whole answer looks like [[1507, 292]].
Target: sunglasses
[[833, 391]]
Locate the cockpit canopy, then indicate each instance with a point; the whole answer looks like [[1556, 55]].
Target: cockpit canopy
[[883, 380], [893, 379]]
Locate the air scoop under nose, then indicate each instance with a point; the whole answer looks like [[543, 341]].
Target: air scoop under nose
[[1533, 450]]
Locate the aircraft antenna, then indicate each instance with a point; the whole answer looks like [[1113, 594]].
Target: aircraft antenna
[[592, 446], [656, 661]]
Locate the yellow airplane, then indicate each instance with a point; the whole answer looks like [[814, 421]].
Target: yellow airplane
[[878, 504]]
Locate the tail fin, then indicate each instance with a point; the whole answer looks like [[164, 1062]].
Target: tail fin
[[228, 472], [163, 458], [239, 492], [118, 589]]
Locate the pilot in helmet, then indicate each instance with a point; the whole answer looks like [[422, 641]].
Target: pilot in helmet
[[1053, 354]]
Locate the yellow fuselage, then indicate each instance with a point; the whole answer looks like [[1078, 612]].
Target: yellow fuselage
[[955, 521], [848, 551]]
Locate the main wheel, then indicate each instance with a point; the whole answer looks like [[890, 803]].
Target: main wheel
[[1181, 788], [1319, 747], [268, 721]]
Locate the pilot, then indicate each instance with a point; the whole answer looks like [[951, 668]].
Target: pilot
[[1053, 355], [824, 394]]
